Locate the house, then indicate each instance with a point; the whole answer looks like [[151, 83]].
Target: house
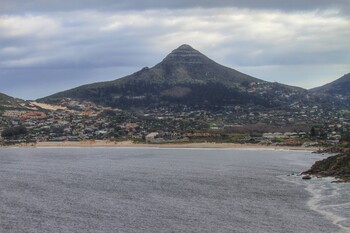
[[151, 137]]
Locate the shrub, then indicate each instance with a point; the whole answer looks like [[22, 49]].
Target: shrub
[[14, 132]]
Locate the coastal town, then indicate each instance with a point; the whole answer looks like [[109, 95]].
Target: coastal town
[[174, 116], [72, 120]]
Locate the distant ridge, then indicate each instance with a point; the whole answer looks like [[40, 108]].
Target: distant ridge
[[185, 77], [340, 86]]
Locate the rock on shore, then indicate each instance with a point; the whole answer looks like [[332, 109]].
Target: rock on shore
[[337, 166]]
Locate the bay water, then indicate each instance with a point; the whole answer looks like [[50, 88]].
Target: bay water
[[166, 190]]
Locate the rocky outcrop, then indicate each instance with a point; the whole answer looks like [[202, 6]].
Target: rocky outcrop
[[334, 150], [186, 54], [337, 166]]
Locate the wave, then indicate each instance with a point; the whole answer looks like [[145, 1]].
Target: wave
[[331, 200]]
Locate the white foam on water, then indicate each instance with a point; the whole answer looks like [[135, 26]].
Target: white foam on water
[[332, 200]]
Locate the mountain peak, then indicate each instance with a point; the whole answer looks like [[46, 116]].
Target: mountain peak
[[185, 47], [186, 54]]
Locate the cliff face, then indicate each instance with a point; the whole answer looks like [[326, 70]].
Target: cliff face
[[337, 166]]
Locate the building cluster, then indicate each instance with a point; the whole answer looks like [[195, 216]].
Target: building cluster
[[77, 121]]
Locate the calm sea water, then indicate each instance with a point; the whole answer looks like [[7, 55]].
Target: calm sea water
[[165, 190]]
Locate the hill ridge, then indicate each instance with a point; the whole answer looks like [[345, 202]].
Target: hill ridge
[[338, 86]]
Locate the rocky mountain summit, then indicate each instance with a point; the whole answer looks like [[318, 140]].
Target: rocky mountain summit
[[186, 54]]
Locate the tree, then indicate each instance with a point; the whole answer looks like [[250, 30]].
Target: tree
[[313, 132], [346, 136]]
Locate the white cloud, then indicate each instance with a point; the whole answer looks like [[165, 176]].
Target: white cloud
[[128, 20], [17, 26], [11, 50], [235, 37], [242, 36]]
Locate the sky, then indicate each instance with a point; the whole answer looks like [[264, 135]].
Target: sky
[[47, 46]]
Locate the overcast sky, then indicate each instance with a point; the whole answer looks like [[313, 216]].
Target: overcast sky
[[50, 46]]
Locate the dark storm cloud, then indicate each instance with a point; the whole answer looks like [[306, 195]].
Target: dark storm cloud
[[19, 6]]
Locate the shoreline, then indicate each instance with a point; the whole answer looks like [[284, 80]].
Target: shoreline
[[109, 144]]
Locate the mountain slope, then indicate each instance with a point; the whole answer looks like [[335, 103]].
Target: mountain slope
[[8, 101], [11, 103], [340, 86], [186, 77], [4, 98]]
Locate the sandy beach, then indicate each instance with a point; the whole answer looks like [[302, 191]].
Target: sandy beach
[[101, 143]]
